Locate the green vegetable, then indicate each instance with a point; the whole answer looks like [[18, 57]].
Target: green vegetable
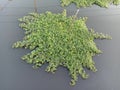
[[59, 40], [87, 3]]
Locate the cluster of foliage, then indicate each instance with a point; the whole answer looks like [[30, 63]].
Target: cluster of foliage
[[86, 3], [59, 40]]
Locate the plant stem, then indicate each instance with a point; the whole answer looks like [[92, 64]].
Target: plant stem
[[77, 12], [35, 6]]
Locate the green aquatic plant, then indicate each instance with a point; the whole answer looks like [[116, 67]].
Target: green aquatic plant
[[87, 3], [59, 40]]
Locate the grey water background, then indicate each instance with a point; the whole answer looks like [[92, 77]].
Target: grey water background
[[16, 74]]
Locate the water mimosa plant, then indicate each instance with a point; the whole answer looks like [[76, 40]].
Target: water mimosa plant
[[59, 40], [87, 3]]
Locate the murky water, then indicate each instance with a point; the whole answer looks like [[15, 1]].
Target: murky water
[[15, 74]]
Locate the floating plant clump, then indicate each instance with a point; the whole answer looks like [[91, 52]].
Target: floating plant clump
[[87, 3], [59, 40]]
